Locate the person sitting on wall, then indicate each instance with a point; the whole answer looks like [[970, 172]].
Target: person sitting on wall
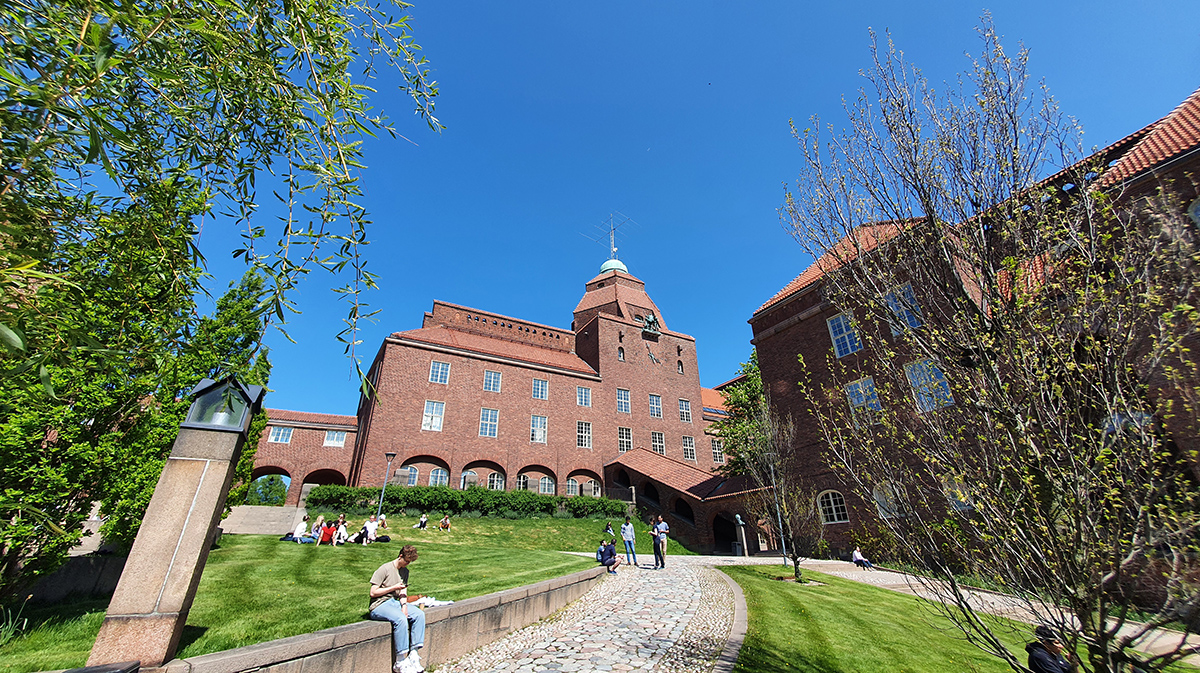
[[1045, 655], [607, 556], [389, 603], [860, 560], [445, 523], [423, 523]]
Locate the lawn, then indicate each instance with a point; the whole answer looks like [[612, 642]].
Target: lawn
[[848, 627], [545, 534], [256, 588]]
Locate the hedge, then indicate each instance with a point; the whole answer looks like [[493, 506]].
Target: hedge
[[453, 501]]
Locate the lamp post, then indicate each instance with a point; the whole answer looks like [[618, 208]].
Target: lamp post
[[387, 472], [154, 595]]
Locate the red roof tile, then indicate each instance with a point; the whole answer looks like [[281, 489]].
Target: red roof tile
[[486, 345], [863, 239], [1169, 137], [682, 476], [284, 416], [712, 399]]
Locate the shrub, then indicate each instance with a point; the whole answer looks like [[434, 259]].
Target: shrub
[[473, 514], [563, 514], [584, 506], [412, 512], [415, 500]]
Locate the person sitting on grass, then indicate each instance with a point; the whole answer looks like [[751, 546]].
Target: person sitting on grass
[[318, 527], [389, 603], [860, 560], [299, 536], [607, 556], [341, 534], [445, 523], [1045, 655], [423, 523]]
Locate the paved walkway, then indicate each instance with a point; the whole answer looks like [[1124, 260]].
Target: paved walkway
[[675, 620]]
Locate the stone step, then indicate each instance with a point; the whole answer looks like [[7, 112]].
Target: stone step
[[260, 520]]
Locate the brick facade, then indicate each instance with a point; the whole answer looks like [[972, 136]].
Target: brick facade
[[306, 457]]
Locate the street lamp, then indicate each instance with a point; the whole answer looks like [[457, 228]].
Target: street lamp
[[387, 472]]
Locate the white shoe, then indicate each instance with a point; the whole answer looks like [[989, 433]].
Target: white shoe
[[403, 666], [415, 660]]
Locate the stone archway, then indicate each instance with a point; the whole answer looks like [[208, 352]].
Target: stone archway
[[724, 531]]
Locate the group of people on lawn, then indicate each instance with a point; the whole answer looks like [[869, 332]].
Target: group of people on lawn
[[336, 532], [607, 556]]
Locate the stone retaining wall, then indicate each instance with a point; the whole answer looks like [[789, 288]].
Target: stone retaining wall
[[365, 647]]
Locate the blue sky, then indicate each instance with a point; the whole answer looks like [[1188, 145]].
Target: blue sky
[[675, 114]]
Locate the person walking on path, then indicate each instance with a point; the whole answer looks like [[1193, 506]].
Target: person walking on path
[[660, 551], [1045, 655], [389, 603], [628, 536]]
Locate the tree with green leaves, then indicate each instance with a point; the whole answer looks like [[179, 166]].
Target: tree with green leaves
[[1024, 331], [123, 129], [268, 490], [740, 430]]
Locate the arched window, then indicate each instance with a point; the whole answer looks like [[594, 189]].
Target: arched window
[[469, 479], [833, 508], [572, 486], [522, 482], [412, 475], [650, 493], [683, 510], [592, 488], [620, 353], [439, 477], [496, 481], [679, 367], [546, 485]]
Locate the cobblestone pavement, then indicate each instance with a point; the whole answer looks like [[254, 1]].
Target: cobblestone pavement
[[674, 620]]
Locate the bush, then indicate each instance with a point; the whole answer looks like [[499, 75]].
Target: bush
[[563, 514], [473, 514], [415, 500]]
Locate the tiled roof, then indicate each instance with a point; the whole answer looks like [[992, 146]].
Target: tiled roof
[[681, 476], [737, 379], [1166, 139], [486, 345], [285, 416], [863, 239], [712, 399], [621, 295]]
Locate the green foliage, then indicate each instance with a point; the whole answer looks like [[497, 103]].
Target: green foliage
[[268, 490], [443, 499], [740, 431]]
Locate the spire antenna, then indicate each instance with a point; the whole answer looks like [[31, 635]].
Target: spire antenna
[[609, 228]]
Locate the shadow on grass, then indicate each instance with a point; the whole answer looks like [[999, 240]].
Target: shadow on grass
[[190, 635], [71, 608]]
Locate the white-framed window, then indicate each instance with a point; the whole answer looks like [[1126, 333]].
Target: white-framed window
[[929, 385], [887, 500], [468, 479], [624, 440], [685, 411], [845, 337], [495, 482], [439, 372], [335, 438], [658, 443], [718, 450], [592, 488], [541, 389], [864, 401], [491, 381], [689, 448], [620, 354], [572, 486], [432, 419], [655, 406], [583, 396], [522, 482], [906, 314], [489, 422], [438, 477], [833, 508], [546, 485], [583, 434], [623, 406], [537, 429], [280, 435], [413, 473]]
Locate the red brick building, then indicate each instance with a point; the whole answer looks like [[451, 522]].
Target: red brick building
[[475, 397], [797, 320]]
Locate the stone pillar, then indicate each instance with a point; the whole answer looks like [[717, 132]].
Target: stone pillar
[[146, 615]]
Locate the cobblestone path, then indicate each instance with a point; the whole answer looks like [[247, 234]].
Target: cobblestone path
[[674, 620]]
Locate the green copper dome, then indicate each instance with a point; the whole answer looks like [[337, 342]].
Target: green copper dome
[[614, 265]]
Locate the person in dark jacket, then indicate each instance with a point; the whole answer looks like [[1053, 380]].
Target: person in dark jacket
[[1045, 655], [607, 555]]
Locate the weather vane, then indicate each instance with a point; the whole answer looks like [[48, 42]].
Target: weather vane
[[609, 227]]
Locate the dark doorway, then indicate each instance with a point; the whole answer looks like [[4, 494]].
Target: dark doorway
[[724, 534]]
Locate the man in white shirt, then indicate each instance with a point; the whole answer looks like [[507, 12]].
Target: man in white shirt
[[628, 535], [369, 528], [661, 529]]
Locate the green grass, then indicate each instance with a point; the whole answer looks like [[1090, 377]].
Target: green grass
[[256, 589], [544, 534], [848, 627]]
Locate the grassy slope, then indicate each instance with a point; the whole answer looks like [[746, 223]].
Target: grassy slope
[[256, 588], [847, 627]]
